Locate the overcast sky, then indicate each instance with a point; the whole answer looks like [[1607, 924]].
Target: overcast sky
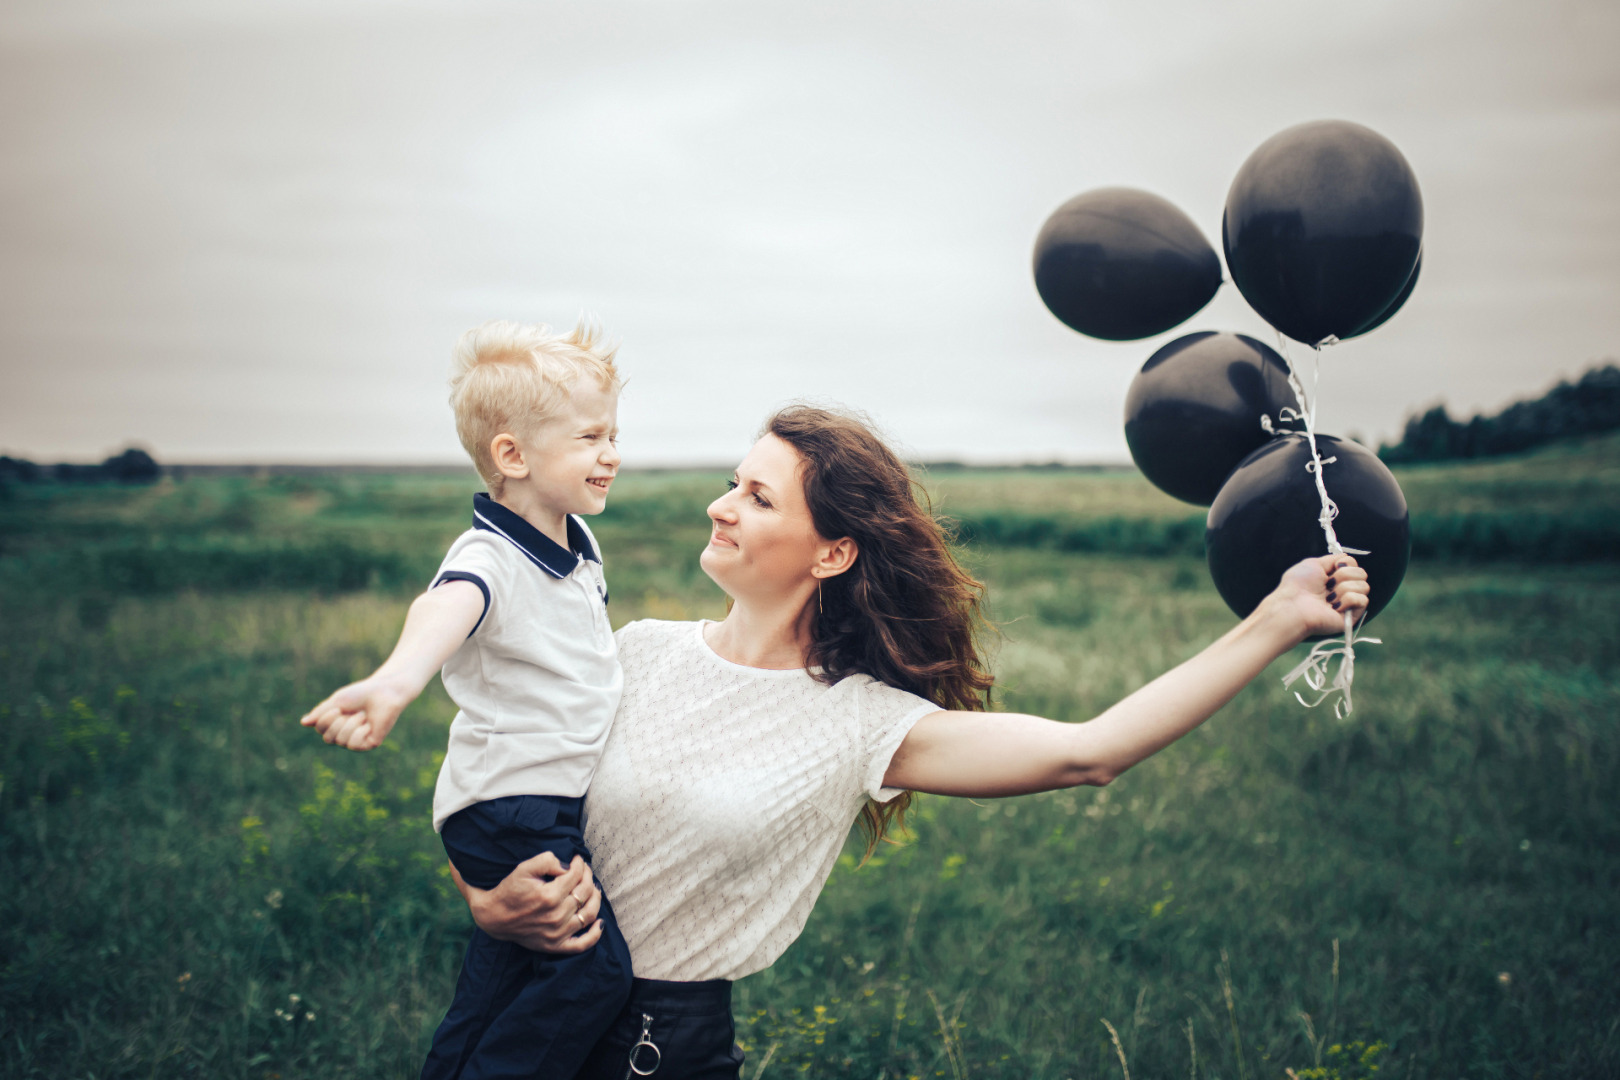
[[237, 231]]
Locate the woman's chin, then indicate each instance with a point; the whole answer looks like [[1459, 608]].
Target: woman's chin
[[709, 559]]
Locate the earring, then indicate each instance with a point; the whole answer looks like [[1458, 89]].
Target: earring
[[819, 609]]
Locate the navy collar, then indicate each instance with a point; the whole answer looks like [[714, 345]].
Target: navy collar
[[541, 549]]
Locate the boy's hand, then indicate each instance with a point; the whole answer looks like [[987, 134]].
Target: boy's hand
[[359, 716]]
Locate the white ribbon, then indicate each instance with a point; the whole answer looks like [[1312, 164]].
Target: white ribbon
[[1314, 668]]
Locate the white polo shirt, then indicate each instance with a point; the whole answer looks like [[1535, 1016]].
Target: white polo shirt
[[538, 679]]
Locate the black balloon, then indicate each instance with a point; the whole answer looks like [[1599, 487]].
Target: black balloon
[[1322, 229], [1121, 264], [1193, 411], [1266, 519], [1397, 303]]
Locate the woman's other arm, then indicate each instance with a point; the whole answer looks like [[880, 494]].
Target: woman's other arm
[[997, 754]]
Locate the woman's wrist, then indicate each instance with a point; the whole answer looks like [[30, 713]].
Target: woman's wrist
[[1278, 623], [480, 907]]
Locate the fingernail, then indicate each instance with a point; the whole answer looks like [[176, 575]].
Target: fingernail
[[1331, 582], [1332, 596], [1341, 566], [1334, 604]]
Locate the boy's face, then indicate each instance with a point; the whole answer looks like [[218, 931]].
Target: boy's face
[[574, 456]]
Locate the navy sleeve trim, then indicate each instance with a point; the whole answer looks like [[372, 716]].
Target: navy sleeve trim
[[462, 575]]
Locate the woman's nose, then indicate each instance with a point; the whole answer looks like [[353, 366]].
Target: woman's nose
[[720, 510]]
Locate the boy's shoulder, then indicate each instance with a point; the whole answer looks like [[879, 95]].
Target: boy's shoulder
[[513, 544], [479, 545]]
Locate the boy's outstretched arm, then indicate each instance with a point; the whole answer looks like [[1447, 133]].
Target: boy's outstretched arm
[[360, 715]]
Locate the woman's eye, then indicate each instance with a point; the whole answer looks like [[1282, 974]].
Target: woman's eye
[[759, 500], [731, 485]]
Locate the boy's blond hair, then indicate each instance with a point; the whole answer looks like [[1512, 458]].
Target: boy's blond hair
[[512, 377]]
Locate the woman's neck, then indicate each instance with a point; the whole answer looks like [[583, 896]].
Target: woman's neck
[[774, 636]]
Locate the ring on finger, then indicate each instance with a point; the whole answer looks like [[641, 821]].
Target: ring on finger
[[580, 915]]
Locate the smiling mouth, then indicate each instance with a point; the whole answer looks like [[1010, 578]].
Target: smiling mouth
[[716, 540], [600, 481]]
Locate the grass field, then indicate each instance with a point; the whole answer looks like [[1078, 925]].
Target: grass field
[[194, 886]]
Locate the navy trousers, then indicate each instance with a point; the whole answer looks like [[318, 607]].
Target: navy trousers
[[521, 1015], [670, 1031]]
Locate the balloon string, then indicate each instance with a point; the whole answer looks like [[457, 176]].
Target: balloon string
[[1314, 668]]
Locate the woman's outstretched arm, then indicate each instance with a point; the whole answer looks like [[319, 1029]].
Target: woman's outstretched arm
[[995, 754]]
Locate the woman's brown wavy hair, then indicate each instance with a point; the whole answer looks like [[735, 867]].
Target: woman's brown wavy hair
[[906, 612]]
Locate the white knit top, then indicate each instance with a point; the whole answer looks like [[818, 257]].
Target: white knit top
[[724, 795]]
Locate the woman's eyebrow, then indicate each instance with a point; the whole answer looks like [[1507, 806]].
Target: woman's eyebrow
[[751, 483]]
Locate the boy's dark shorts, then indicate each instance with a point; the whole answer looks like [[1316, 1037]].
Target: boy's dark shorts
[[516, 1013]]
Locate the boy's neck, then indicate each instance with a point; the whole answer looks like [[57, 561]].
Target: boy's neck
[[521, 499]]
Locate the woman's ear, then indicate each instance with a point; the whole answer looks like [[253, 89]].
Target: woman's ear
[[508, 456], [835, 557]]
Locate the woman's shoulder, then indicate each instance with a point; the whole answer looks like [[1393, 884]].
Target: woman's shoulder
[[878, 702], [654, 631]]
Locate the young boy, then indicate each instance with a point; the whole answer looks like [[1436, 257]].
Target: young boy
[[517, 617]]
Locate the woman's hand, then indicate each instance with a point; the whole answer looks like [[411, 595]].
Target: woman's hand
[[1316, 594], [539, 905]]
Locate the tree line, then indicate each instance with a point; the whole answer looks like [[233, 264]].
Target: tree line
[[1589, 406], [133, 466]]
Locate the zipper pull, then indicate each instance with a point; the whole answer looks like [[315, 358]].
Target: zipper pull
[[645, 1040]]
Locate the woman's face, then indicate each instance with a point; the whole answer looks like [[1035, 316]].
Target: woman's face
[[763, 545]]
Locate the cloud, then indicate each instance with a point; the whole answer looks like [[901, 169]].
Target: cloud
[[250, 231]]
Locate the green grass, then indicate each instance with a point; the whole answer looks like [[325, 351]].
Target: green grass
[[1561, 504], [180, 859]]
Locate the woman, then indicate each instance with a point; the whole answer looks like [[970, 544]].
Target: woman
[[845, 675]]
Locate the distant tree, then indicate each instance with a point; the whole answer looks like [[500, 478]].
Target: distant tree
[[1587, 407], [19, 471], [133, 466]]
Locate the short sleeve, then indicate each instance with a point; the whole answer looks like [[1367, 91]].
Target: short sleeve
[[887, 717], [476, 558]]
